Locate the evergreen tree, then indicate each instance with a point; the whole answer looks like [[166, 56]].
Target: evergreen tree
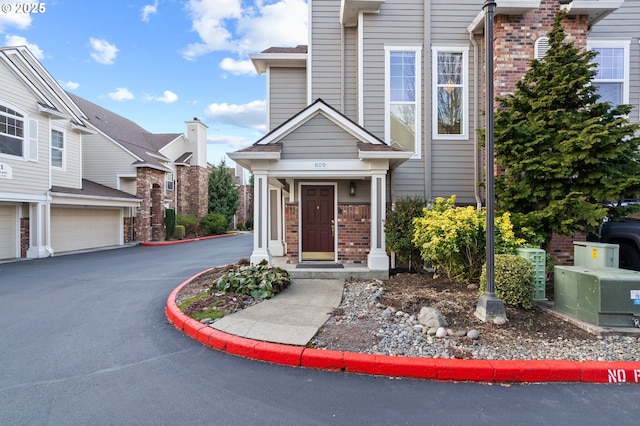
[[564, 153], [223, 195]]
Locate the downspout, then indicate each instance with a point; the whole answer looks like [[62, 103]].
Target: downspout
[[342, 70], [427, 70], [476, 89]]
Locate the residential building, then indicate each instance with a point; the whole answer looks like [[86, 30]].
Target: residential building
[[386, 101], [76, 176]]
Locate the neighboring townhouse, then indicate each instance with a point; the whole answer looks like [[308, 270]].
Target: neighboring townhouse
[[75, 176], [46, 206], [162, 170], [386, 101]]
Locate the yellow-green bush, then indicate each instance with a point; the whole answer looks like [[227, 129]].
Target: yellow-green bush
[[514, 280], [179, 232], [452, 239]]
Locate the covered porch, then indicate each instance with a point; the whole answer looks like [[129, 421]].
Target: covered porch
[[320, 195]]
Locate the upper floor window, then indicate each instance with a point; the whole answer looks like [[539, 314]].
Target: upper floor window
[[168, 177], [450, 88], [57, 148], [612, 78], [12, 134], [403, 97]]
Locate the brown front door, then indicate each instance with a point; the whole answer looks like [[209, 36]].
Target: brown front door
[[317, 222]]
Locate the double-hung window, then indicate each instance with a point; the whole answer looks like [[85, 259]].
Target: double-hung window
[[450, 92], [12, 132], [403, 93], [612, 78], [169, 183], [57, 148]]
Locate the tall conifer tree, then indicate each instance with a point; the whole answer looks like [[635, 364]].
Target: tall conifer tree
[[223, 195], [564, 152]]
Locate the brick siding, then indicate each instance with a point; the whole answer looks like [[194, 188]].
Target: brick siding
[[192, 189], [354, 233]]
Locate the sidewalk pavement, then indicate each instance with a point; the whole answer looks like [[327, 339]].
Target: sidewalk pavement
[[277, 331]]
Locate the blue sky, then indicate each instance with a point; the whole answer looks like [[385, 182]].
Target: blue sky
[[161, 62]]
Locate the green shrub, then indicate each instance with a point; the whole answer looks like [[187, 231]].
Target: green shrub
[[179, 232], [190, 223], [398, 228], [214, 224], [452, 239], [514, 280], [259, 281], [170, 223]]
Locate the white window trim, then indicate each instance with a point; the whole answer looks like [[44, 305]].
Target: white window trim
[[168, 181], [25, 136], [617, 43], [64, 148], [417, 50], [465, 91]]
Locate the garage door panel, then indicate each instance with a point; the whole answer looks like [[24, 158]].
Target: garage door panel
[[77, 229], [8, 232]]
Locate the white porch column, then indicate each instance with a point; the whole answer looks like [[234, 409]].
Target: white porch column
[[260, 218], [276, 246], [378, 259], [39, 221]]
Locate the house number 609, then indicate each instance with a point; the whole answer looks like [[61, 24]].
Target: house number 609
[[320, 165]]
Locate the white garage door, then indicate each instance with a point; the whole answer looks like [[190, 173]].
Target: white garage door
[[77, 229], [8, 232]]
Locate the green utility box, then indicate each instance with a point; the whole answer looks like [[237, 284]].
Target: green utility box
[[599, 296], [537, 258], [596, 255]]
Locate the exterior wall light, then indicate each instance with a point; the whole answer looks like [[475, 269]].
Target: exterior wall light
[[352, 188]]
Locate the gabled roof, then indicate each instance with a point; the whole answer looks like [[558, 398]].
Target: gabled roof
[[141, 143], [269, 147], [287, 57]]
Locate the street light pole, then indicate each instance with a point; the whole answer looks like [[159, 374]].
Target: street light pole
[[489, 306]]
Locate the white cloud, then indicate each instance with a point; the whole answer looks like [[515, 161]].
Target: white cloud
[[121, 94], [251, 115], [238, 67], [232, 142], [14, 40], [12, 19], [102, 51], [224, 25], [148, 10], [71, 85], [168, 97]]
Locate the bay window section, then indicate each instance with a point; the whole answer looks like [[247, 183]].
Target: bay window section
[[403, 98], [450, 110]]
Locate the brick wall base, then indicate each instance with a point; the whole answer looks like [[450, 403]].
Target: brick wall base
[[561, 248], [24, 236], [354, 233]]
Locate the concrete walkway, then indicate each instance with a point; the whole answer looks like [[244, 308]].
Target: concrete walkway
[[293, 317]]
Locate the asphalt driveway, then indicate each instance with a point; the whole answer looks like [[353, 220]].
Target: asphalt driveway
[[84, 340]]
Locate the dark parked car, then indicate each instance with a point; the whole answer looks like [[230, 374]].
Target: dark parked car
[[625, 233]]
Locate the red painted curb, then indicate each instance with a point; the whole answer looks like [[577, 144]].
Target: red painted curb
[[479, 370], [190, 240]]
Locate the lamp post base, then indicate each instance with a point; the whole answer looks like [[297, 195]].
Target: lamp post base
[[489, 308]]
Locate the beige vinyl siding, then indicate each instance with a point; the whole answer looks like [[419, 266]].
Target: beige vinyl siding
[[351, 74], [623, 24], [104, 160], [287, 94], [380, 30], [325, 52], [452, 164], [71, 175], [176, 148], [29, 177], [319, 138]]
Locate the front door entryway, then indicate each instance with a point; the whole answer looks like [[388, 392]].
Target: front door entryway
[[318, 222]]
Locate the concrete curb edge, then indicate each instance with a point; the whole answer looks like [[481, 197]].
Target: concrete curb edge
[[476, 370], [189, 240]]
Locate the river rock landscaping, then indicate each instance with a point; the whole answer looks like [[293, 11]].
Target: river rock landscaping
[[419, 315]]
